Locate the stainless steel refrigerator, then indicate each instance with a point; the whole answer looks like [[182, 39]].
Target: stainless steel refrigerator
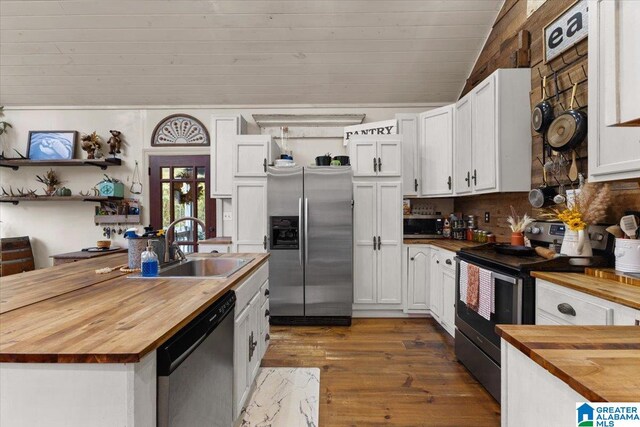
[[310, 217]]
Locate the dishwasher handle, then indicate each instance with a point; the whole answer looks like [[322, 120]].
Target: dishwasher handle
[[177, 348]]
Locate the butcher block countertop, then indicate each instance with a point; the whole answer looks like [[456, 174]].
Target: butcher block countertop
[[118, 320], [607, 289], [599, 362], [20, 290], [448, 244]]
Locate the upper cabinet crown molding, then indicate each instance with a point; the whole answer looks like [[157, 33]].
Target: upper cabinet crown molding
[[614, 84]]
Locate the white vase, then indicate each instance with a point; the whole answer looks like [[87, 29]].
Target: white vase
[[576, 243]]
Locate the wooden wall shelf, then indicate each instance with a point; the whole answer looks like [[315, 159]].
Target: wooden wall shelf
[[101, 163], [16, 200]]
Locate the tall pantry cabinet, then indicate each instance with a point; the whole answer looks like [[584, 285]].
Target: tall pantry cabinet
[[251, 154], [377, 223]]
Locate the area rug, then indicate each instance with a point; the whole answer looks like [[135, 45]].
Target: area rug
[[283, 397]]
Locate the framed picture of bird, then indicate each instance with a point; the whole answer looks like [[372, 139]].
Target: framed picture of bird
[[52, 144]]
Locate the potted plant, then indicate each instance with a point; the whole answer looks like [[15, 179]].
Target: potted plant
[[324, 160], [50, 179]]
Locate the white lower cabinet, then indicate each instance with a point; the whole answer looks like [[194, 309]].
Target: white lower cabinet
[[377, 235], [558, 305], [435, 290], [250, 328], [431, 283], [418, 278], [448, 283]]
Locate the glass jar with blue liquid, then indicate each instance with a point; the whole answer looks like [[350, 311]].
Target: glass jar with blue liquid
[[149, 262]]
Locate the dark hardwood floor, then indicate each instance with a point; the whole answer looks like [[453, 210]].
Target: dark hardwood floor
[[391, 372]]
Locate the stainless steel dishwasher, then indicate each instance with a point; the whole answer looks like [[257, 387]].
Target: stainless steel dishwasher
[[195, 370]]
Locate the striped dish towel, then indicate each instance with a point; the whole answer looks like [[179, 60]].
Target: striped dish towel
[[463, 281], [486, 296]]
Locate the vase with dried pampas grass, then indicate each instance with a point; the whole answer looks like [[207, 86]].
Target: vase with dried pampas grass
[[588, 207]]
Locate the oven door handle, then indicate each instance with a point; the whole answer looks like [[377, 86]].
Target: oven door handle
[[509, 279]]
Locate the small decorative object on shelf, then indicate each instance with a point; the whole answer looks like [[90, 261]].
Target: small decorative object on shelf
[[63, 192], [115, 142], [50, 179], [180, 130], [3, 124], [92, 145], [51, 145], [111, 187]]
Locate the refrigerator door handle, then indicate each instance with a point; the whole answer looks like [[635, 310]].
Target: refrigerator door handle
[[306, 230], [300, 218]]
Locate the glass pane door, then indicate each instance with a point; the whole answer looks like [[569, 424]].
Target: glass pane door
[[179, 188]]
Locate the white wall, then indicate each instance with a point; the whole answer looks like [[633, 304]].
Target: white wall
[[58, 227]]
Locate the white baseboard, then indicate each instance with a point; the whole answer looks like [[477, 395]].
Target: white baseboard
[[387, 314]]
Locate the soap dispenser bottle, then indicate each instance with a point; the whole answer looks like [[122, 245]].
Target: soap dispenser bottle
[[149, 262]]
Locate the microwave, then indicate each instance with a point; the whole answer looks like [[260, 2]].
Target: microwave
[[423, 226]]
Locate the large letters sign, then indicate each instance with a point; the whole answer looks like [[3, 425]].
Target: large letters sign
[[387, 127], [567, 30]]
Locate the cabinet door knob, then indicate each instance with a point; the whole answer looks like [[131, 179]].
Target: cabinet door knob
[[266, 313], [565, 308], [379, 165], [468, 179], [415, 185], [379, 243], [448, 262], [449, 182], [264, 242], [266, 292], [437, 262], [475, 177], [413, 259], [375, 165], [264, 165], [267, 337], [374, 243]]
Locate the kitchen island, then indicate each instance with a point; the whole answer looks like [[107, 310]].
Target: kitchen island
[[546, 370], [78, 348]]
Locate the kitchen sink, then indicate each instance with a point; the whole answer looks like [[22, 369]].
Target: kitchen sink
[[203, 267]]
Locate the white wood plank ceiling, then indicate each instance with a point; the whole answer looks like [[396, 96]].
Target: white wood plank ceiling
[[214, 52]]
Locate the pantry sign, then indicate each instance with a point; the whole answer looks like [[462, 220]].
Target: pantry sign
[[387, 127]]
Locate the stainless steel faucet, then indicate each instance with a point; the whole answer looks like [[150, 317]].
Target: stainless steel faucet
[[168, 244]]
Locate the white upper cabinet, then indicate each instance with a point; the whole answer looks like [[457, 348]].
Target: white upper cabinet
[[491, 138], [252, 154], [223, 132], [436, 152], [462, 146], [376, 155], [614, 88], [618, 42], [408, 129], [484, 129]]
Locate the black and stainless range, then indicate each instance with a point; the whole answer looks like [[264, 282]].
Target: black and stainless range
[[476, 342]]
